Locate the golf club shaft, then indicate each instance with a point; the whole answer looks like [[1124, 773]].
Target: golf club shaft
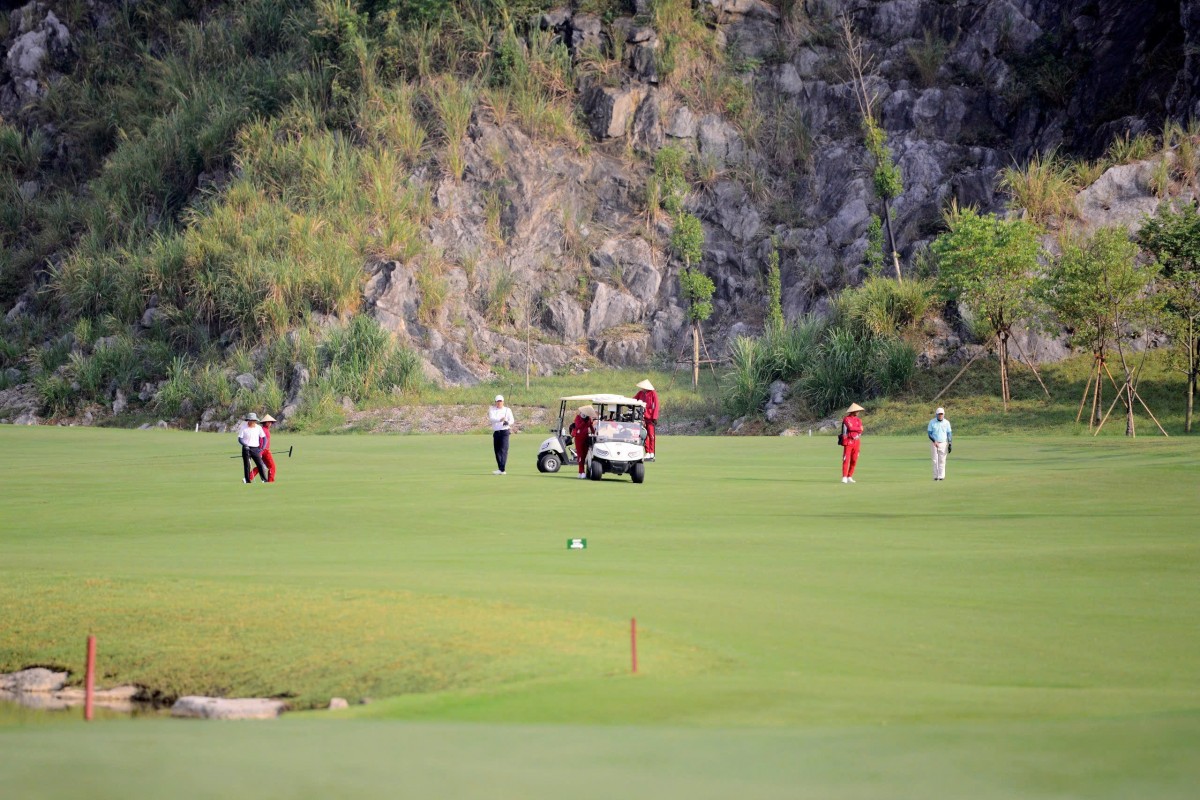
[[288, 452]]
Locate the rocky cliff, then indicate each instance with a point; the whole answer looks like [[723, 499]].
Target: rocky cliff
[[564, 235]]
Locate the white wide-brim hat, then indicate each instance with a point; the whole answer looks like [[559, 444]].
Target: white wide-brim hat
[[854, 407], [647, 385]]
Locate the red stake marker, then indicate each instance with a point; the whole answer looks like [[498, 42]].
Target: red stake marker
[[633, 641], [89, 679]]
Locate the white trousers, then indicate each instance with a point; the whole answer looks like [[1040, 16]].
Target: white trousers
[[938, 451]]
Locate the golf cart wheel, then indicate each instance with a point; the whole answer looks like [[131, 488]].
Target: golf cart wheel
[[549, 462], [596, 471], [638, 473]]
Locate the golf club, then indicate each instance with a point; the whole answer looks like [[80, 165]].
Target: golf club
[[281, 453]]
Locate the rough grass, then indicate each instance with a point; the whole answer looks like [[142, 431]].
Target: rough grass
[[973, 403]]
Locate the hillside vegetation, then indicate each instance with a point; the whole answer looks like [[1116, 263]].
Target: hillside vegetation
[[202, 212]]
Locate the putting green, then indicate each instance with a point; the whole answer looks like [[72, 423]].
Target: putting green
[[1026, 628]]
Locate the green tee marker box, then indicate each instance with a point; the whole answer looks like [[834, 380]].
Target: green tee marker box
[[577, 544]]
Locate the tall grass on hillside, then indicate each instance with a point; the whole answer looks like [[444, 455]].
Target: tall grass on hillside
[[745, 388], [881, 307], [1126, 149], [784, 353], [850, 368], [1045, 188], [453, 102], [928, 56]]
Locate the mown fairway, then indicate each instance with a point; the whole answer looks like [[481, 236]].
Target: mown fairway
[[1026, 629]]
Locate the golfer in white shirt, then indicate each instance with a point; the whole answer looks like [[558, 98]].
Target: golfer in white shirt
[[251, 438], [502, 422]]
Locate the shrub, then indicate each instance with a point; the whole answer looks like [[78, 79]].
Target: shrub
[[840, 373], [1045, 188], [880, 307], [746, 387], [791, 349]]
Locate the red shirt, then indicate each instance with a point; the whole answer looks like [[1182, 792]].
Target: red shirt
[[266, 437], [851, 429], [581, 428], [650, 398]]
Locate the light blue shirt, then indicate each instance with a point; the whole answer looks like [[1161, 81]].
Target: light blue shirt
[[939, 430]]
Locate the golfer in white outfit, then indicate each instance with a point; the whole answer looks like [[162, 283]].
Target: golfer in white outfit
[[939, 442]]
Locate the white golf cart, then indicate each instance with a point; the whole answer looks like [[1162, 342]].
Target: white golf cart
[[617, 447]]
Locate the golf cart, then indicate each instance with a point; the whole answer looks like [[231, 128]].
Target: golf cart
[[618, 445]]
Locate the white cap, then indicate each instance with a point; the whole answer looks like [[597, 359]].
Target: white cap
[[940, 411], [499, 398]]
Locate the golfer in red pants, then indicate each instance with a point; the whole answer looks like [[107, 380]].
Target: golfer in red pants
[[850, 438], [581, 431], [648, 396], [267, 458]]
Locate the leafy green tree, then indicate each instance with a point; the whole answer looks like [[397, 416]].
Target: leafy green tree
[[687, 240], [989, 265], [1173, 238], [1099, 292]]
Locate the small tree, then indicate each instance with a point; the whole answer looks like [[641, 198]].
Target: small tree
[[885, 176], [989, 265], [1173, 238], [687, 240], [1098, 291], [774, 289]]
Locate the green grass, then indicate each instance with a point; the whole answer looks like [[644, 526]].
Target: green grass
[[1025, 629], [674, 390], [974, 400]]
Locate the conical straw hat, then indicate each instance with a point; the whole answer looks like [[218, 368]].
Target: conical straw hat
[[587, 411], [647, 385], [854, 407]]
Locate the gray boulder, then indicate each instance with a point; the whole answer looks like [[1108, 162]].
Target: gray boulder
[[197, 707], [720, 141], [610, 110], [610, 308], [35, 679], [246, 381], [587, 30], [1122, 196], [34, 52], [565, 317], [647, 125], [684, 124]]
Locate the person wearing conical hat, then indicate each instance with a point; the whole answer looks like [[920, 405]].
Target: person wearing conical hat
[[850, 439], [267, 458], [251, 439], [648, 396], [582, 430]]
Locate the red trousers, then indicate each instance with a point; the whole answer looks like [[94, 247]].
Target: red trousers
[[850, 458], [581, 451], [270, 462], [650, 423]]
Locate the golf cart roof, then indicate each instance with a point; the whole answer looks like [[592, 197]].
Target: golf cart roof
[[603, 399]]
